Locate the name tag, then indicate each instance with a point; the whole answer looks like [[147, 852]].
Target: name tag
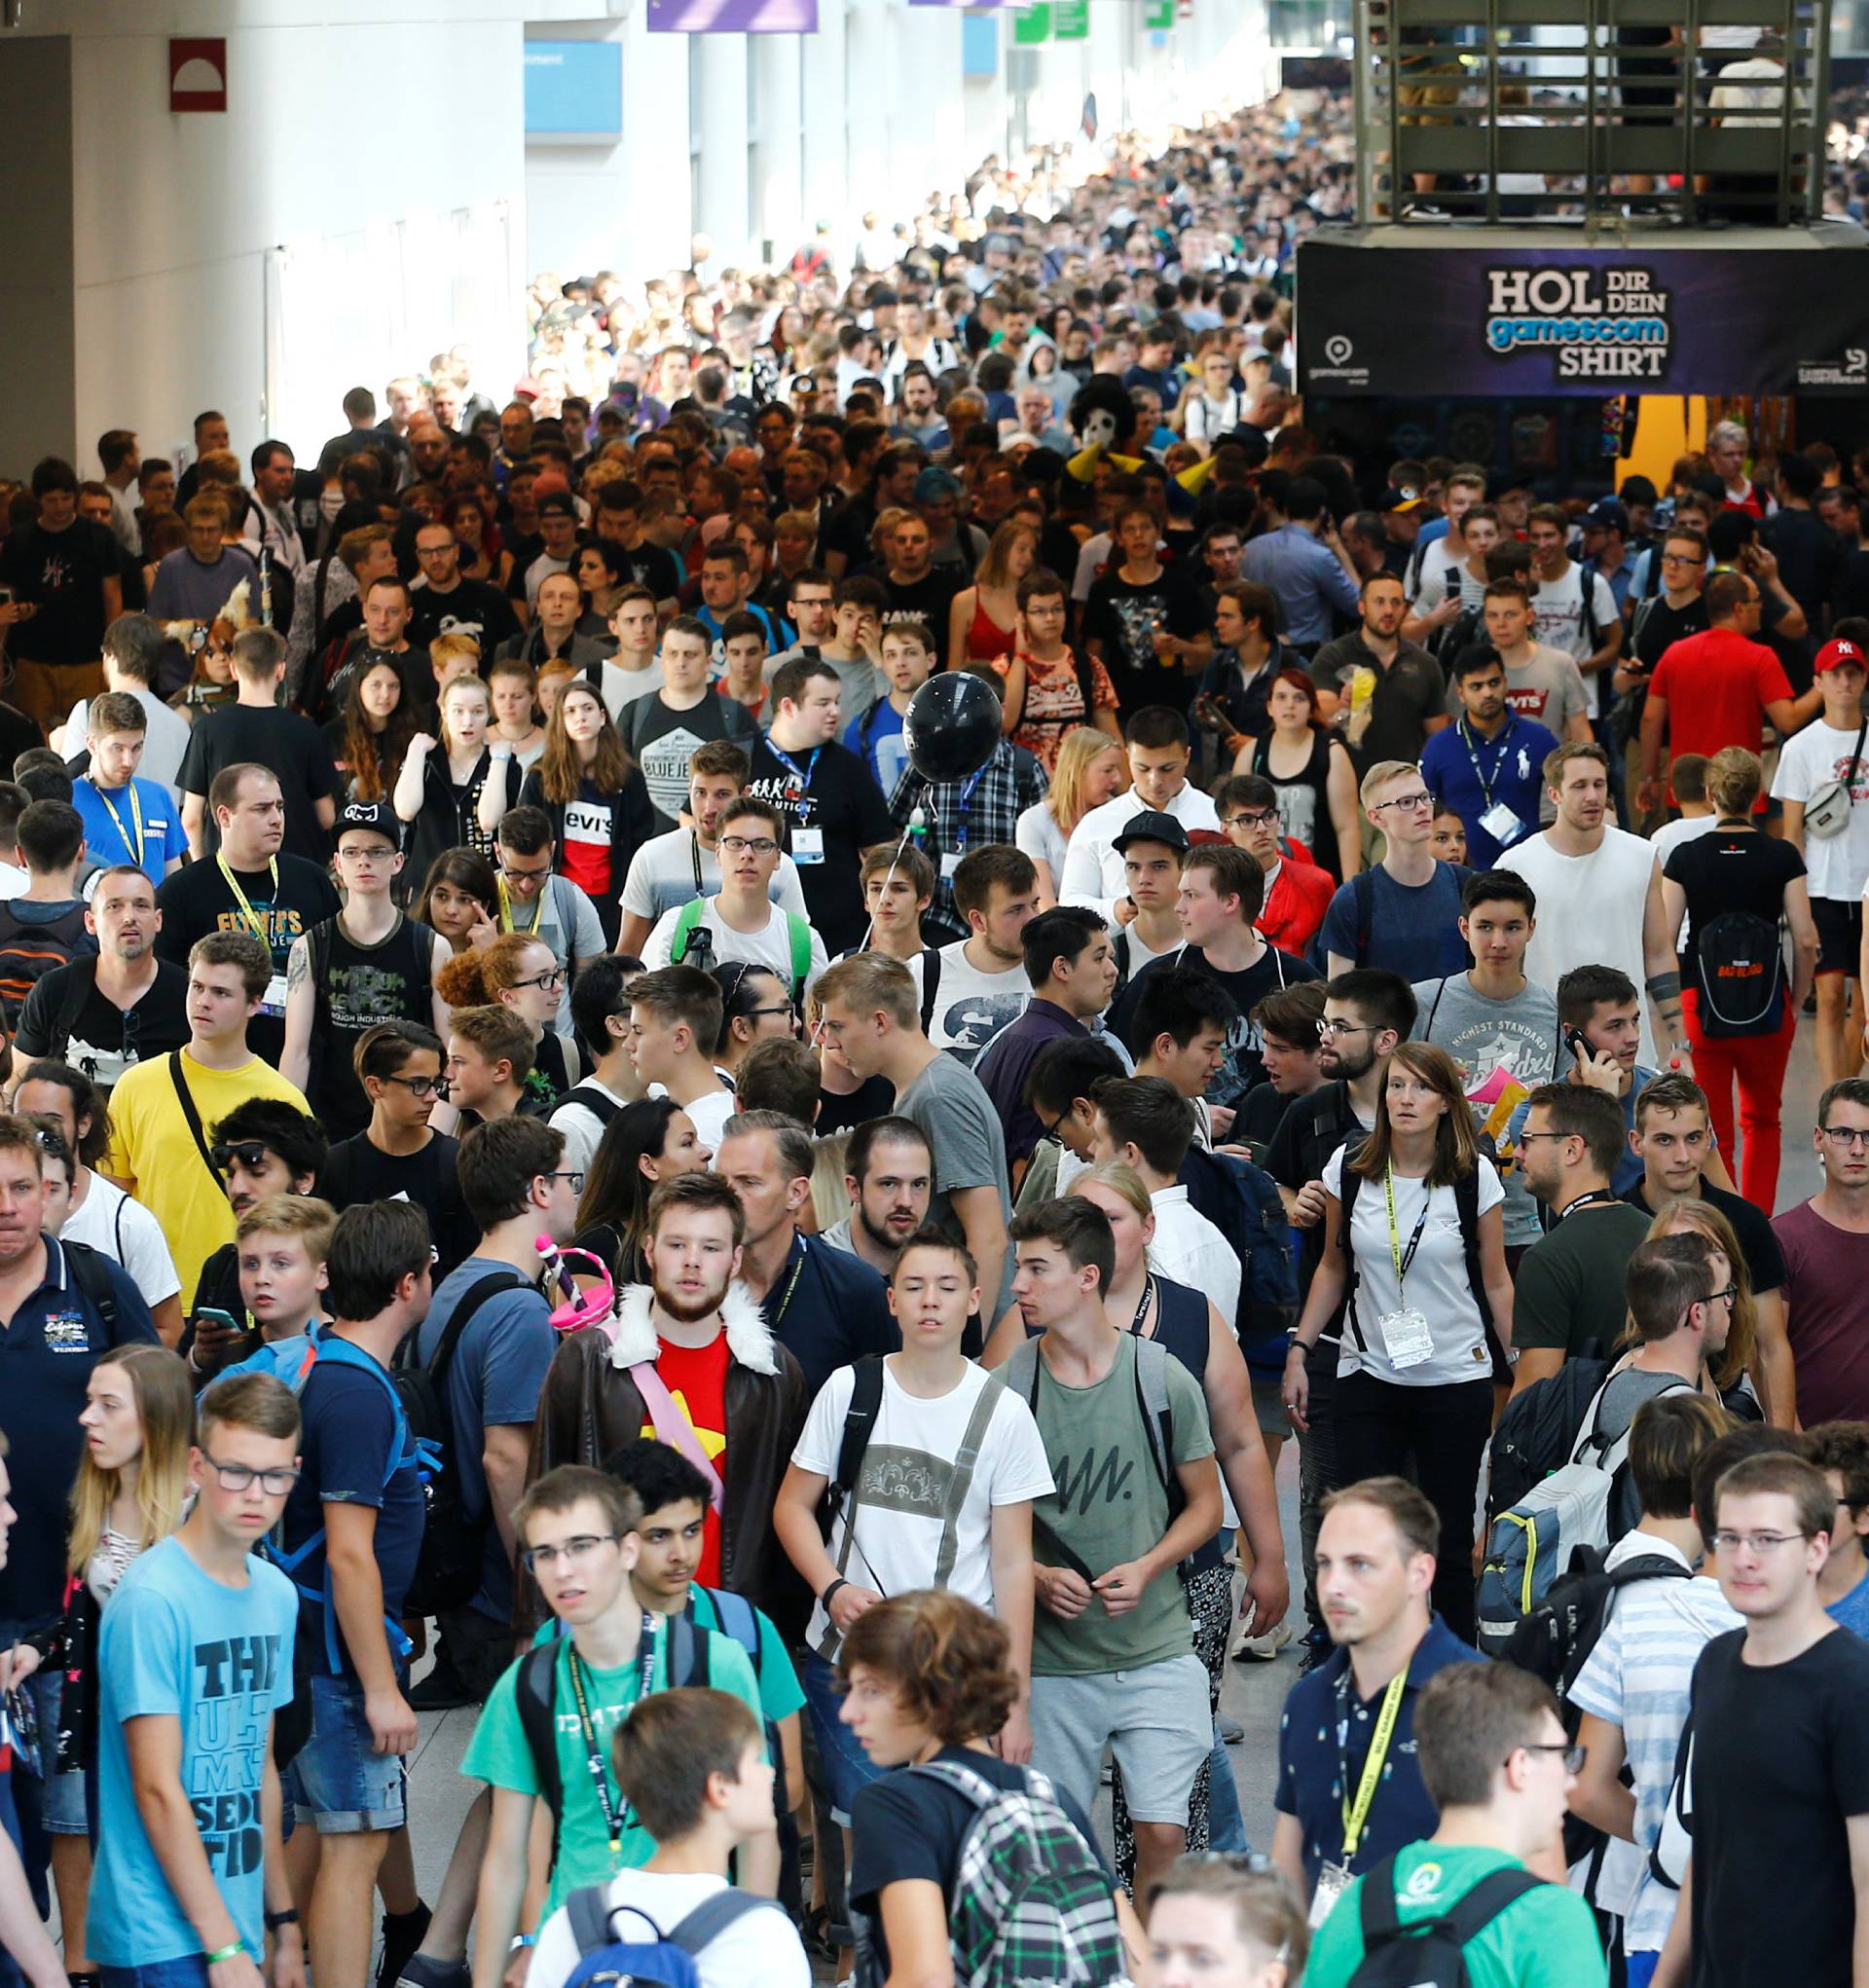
[[950, 863], [807, 845], [275, 1002]]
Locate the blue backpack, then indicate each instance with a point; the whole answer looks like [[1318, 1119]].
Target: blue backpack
[[1242, 1201], [665, 1961]]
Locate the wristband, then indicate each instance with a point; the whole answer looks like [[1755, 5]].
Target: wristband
[[824, 1598], [523, 1940], [224, 1953], [275, 1920]]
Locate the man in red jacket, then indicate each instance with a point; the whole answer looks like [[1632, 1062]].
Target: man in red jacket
[[1298, 892]]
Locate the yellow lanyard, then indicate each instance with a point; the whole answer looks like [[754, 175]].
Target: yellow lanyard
[[1357, 1813], [506, 909], [135, 815], [248, 911]]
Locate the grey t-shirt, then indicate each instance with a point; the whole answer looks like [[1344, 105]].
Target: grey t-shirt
[[1506, 1048], [860, 683], [947, 1101]]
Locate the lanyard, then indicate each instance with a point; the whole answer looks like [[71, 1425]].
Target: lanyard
[[1399, 1257], [961, 807], [248, 911], [136, 816], [784, 1302], [1473, 752], [803, 779], [615, 1818], [694, 857], [1139, 1325], [506, 908], [1357, 1813], [1597, 1197]]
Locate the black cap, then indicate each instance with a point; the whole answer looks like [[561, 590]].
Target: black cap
[[557, 502], [1399, 496], [1606, 515], [1152, 826], [375, 814]]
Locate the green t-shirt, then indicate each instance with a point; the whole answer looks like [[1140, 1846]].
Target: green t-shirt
[[499, 1752], [1546, 1939], [1569, 1289], [1111, 1507], [780, 1692]]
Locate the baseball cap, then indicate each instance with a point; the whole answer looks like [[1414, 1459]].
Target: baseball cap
[[1399, 496], [1836, 651], [1606, 515], [557, 503], [376, 816], [1152, 826]]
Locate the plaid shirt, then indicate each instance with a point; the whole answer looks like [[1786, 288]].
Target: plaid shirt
[[1012, 782]]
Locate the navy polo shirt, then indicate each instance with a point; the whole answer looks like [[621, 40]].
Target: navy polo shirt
[[46, 1357], [1461, 768], [829, 1308], [1312, 1763]]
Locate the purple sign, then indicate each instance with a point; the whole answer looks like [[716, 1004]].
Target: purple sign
[[1431, 322], [733, 17]]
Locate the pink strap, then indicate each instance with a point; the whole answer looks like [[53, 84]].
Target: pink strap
[[674, 1428]]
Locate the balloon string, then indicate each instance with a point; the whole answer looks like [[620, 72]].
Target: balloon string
[[928, 788]]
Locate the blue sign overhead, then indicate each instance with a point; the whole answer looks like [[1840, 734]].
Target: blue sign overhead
[[573, 90]]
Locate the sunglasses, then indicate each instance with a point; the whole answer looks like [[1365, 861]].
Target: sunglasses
[[251, 1155]]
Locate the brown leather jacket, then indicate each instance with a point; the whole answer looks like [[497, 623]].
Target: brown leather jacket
[[590, 1406]]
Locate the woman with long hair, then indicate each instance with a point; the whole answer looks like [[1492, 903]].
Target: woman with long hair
[[481, 557], [983, 621], [602, 569], [1415, 1247], [520, 972], [1091, 770], [592, 792], [210, 683], [131, 1491], [1309, 765], [1738, 1374], [459, 899], [649, 1142], [454, 786], [371, 740], [1048, 688]]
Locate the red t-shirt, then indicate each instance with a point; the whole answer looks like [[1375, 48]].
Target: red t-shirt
[[1716, 687], [586, 855], [697, 1378]]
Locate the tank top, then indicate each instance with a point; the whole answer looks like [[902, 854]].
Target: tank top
[[358, 986], [1304, 800], [986, 640]]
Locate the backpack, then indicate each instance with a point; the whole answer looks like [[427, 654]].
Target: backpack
[[1739, 973], [600, 1107], [1427, 1953], [1031, 1903], [447, 1570], [859, 1422], [1537, 1430], [690, 934], [1241, 1201], [1363, 902], [1529, 1544], [30, 951], [668, 1960]]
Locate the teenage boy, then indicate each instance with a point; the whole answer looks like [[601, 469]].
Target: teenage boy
[[1159, 757], [975, 1447], [898, 886], [1403, 914], [1825, 1244], [544, 1735], [600, 1013], [162, 1111], [1488, 764], [833, 809], [46, 926], [1060, 1090], [743, 920], [876, 733], [349, 1536], [633, 671], [368, 964], [664, 732], [1542, 683], [1779, 1776], [1153, 847], [982, 985], [1841, 1450], [126, 819], [889, 1175], [1112, 1658], [193, 1663], [282, 1245], [692, 1767], [1601, 1006], [534, 899], [851, 645], [1297, 894], [490, 1057], [1181, 1023], [1498, 1767], [1292, 1051], [670, 870], [674, 1023]]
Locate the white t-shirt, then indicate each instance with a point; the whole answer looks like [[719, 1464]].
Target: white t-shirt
[[710, 1113], [771, 947], [121, 1228], [1835, 866], [1669, 837], [902, 1492], [972, 1007], [760, 1946], [661, 879], [1435, 1285], [582, 1129], [1038, 833], [1557, 618], [621, 687]]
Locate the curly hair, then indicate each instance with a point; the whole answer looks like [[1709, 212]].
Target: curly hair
[[949, 1660], [479, 978]]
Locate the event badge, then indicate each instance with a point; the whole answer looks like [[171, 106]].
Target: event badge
[[1406, 1337], [1502, 825], [275, 1002], [950, 862], [807, 845], [1333, 1881]]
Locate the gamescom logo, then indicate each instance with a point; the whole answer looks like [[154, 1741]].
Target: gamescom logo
[[1338, 352], [1601, 323], [1852, 371]]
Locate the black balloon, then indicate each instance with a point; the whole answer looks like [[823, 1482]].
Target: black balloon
[[952, 726]]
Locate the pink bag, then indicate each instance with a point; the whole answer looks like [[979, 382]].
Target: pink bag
[[674, 1428]]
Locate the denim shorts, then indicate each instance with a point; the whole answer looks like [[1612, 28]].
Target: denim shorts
[[843, 1764], [63, 1808], [339, 1783], [187, 1971]]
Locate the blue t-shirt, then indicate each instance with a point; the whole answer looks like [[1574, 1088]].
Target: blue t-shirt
[[178, 1644], [495, 1377], [1628, 1165], [1853, 1609], [353, 1433], [876, 738], [1473, 775], [1413, 929], [145, 828]]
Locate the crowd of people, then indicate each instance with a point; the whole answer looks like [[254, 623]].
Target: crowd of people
[[562, 1156]]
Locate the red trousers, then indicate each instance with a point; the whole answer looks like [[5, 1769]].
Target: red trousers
[[1757, 1063]]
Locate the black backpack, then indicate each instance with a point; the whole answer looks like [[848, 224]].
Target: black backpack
[[1738, 974], [1427, 1953], [447, 1570], [1537, 1432], [600, 1106], [859, 1421], [29, 951]]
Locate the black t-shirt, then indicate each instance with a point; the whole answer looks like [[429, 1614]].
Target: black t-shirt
[[652, 567], [1808, 553], [63, 573], [1662, 626], [355, 987], [1732, 870], [928, 599], [846, 807], [1123, 617], [909, 1825], [662, 742], [1311, 1130], [355, 1170], [103, 1039], [1245, 1064], [874, 1099], [285, 742], [475, 608], [1260, 1112], [1764, 1259], [525, 549], [1780, 1763], [1852, 594]]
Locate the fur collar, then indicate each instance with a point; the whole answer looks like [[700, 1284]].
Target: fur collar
[[748, 1341]]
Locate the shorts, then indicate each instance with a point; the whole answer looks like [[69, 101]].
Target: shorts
[[844, 1765], [1269, 1404], [189, 1971], [477, 1646], [1838, 922], [339, 1783], [63, 1807], [1154, 1719]]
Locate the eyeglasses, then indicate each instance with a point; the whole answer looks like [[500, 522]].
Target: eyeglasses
[[236, 1477], [1260, 818], [555, 978], [1525, 1138], [1326, 1028], [1845, 1135], [251, 1155], [738, 845], [516, 875], [576, 1179], [1759, 1543], [783, 1008], [580, 1548], [1568, 1752], [1680, 559], [417, 1086], [1407, 803]]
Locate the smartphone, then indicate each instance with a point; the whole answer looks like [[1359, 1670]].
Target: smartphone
[[1577, 1043], [212, 1315]]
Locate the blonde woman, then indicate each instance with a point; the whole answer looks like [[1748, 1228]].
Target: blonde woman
[[1091, 770], [1740, 1374], [984, 620], [454, 788]]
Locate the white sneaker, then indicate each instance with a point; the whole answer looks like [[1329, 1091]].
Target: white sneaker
[[1263, 1649]]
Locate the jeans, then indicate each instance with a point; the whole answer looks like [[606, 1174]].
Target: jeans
[[1317, 1472], [1756, 1064], [189, 1970], [1226, 1822], [1381, 1424]]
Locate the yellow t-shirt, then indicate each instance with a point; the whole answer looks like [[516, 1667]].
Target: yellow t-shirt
[[154, 1154]]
